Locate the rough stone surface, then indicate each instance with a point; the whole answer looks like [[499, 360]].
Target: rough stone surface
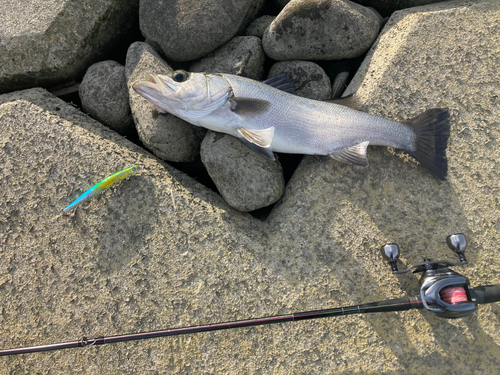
[[242, 55], [246, 180], [387, 7], [310, 79], [104, 96], [321, 30], [164, 252], [192, 28], [167, 136], [259, 26], [47, 42]]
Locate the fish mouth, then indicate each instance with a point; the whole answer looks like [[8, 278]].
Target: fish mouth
[[156, 83]]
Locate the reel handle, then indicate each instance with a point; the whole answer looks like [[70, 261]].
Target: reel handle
[[457, 243], [485, 293]]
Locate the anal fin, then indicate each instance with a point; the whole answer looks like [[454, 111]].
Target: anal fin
[[355, 155]]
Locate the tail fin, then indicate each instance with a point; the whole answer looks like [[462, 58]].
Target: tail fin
[[432, 129]]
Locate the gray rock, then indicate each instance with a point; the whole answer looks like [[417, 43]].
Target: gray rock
[[167, 136], [242, 55], [339, 72], [104, 96], [245, 179], [339, 84], [321, 30], [189, 29], [259, 26], [387, 7], [310, 79], [43, 43]]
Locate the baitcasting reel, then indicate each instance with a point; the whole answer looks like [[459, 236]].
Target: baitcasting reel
[[442, 290]]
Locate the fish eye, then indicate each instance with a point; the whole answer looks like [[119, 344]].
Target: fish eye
[[180, 75]]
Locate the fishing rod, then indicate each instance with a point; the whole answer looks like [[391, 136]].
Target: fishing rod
[[443, 292]]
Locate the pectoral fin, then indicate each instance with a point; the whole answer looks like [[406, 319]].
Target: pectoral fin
[[248, 107], [352, 155], [261, 138], [258, 140]]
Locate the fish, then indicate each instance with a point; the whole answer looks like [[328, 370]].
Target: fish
[[268, 117], [102, 186]]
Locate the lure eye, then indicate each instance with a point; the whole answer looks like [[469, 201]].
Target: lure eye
[[134, 169], [180, 75]]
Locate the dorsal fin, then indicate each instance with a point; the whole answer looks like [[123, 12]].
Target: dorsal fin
[[351, 101], [281, 82]]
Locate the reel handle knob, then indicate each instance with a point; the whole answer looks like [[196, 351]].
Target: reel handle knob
[[457, 243], [390, 252]]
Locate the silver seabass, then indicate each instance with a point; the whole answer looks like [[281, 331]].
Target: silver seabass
[[269, 119]]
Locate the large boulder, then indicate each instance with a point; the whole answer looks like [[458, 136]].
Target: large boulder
[[321, 30], [189, 29], [43, 43]]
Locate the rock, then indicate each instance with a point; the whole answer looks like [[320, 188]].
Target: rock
[[245, 179], [387, 7], [259, 26], [190, 29], [167, 136], [242, 55], [339, 72], [104, 96], [310, 79], [321, 30], [43, 43], [339, 84]]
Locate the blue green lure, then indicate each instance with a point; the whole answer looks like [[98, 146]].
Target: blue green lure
[[102, 186]]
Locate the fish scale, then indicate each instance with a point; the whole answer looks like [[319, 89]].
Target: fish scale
[[316, 127]]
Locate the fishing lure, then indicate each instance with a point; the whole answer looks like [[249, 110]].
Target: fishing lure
[[102, 186]]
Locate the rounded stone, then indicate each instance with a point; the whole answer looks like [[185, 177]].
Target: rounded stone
[[310, 79], [245, 179], [242, 55], [259, 26], [190, 29], [387, 7], [104, 96], [321, 30]]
